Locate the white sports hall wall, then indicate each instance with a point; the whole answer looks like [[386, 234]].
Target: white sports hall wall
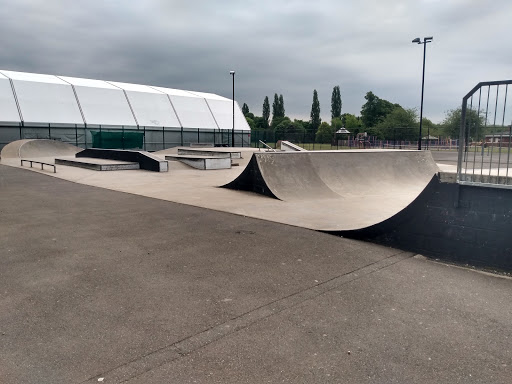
[[72, 109]]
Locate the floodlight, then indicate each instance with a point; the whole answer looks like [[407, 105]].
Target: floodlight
[[232, 73], [425, 41]]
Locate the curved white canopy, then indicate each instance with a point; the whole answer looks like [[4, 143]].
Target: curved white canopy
[[48, 99]]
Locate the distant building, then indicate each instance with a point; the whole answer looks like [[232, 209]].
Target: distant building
[[495, 139], [89, 113]]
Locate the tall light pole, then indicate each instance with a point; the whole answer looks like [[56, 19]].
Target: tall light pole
[[424, 42], [232, 73]]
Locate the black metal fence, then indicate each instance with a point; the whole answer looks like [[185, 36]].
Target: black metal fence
[[395, 138], [486, 136], [154, 138]]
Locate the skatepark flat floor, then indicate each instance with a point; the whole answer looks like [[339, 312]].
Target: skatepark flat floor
[[103, 286]]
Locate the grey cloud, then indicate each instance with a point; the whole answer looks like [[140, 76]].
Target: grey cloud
[[288, 48]]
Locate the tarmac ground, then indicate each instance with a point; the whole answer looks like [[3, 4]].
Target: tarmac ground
[[99, 285]]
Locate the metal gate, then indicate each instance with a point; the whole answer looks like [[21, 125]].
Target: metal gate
[[485, 136]]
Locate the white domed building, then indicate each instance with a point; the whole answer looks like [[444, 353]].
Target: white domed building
[[107, 114]]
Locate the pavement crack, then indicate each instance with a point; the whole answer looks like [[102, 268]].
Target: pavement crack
[[192, 343]]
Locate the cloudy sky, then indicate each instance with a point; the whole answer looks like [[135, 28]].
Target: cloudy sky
[[284, 47]]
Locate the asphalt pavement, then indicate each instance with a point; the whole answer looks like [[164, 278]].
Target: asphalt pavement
[[104, 286]]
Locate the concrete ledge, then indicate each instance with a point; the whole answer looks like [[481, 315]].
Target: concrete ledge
[[201, 145], [213, 152], [447, 177], [146, 160], [202, 162], [98, 164], [487, 179]]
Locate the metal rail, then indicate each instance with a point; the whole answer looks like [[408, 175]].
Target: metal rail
[[268, 147], [39, 162]]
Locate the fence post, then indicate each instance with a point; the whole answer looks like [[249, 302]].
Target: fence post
[[461, 139]]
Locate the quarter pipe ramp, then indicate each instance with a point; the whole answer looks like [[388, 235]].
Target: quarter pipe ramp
[[349, 189], [30, 148]]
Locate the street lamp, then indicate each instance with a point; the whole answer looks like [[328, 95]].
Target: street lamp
[[232, 73], [424, 42]]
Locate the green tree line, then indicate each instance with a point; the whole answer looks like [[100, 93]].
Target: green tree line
[[378, 117]]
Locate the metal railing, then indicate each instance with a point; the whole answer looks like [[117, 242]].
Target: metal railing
[[484, 156], [266, 146], [41, 163]]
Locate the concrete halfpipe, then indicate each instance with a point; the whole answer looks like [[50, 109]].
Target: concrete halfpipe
[[357, 189], [395, 198]]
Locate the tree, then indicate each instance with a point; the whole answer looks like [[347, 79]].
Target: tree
[[275, 107], [429, 126], [369, 110], [336, 123], [399, 124], [336, 102], [325, 133], [250, 122], [400, 118], [474, 123], [375, 110], [315, 112], [266, 110], [351, 122], [289, 130], [276, 121], [260, 123], [245, 109]]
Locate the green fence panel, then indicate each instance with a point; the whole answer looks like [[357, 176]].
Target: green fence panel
[[117, 140]]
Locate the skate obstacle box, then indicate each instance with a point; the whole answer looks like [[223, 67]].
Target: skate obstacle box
[[145, 160], [204, 158]]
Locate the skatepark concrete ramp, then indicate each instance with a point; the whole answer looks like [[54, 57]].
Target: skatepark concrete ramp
[[315, 175], [290, 147], [31, 148], [146, 160], [339, 190]]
